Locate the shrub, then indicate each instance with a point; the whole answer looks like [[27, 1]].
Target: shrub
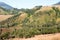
[[4, 35]]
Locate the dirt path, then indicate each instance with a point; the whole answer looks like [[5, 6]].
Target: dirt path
[[42, 37]]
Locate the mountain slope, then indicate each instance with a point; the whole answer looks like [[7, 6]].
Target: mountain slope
[[6, 6], [44, 20], [4, 17], [57, 3]]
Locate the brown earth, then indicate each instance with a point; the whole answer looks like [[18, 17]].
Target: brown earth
[[55, 36], [4, 17]]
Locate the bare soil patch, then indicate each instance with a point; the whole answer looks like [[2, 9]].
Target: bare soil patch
[[42, 37]]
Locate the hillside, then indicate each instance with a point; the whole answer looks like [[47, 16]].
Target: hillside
[[26, 23], [4, 11], [4, 17], [57, 3], [6, 6]]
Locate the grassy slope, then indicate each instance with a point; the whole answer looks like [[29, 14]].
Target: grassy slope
[[36, 16], [4, 17]]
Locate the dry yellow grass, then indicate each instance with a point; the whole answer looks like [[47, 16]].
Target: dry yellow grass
[[42, 37], [22, 17], [58, 20], [44, 8], [4, 17]]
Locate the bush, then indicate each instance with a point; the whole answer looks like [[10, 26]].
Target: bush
[[4, 35]]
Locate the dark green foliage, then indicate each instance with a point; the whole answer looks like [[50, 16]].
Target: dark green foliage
[[48, 30], [57, 11], [28, 11], [4, 36], [14, 11], [26, 32]]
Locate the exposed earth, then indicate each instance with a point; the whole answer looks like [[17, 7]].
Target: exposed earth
[[55, 36]]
